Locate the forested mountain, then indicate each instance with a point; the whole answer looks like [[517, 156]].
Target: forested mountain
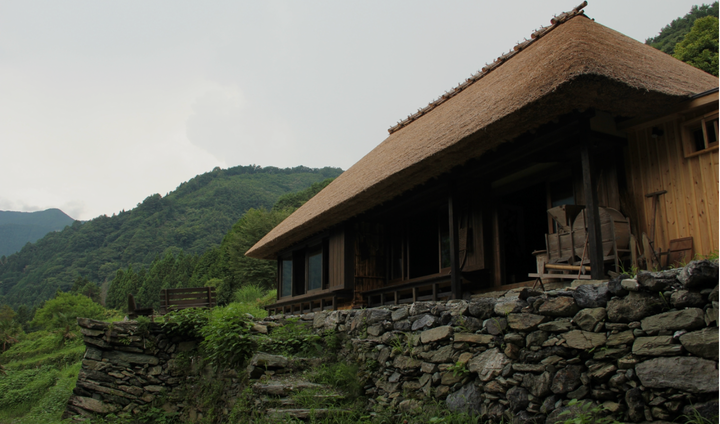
[[676, 31], [225, 266], [19, 228], [192, 219]]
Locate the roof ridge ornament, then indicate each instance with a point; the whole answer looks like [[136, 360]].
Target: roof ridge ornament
[[554, 22]]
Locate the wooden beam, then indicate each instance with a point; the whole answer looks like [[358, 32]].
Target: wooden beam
[[455, 282], [593, 215]]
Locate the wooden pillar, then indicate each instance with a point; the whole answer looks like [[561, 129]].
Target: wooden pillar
[[455, 277], [595, 251]]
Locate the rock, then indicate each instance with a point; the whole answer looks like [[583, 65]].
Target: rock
[[266, 360], [580, 393], [473, 338], [634, 307], [403, 325], [687, 373], [496, 326], [538, 385], [656, 346], [482, 308], [426, 321], [436, 334], [488, 364], [400, 313], [591, 296], [601, 372], [577, 339], [615, 286], [117, 357], [587, 319], [703, 343], [90, 404], [698, 274], [506, 306], [444, 354], [406, 363], [635, 404], [561, 306], [657, 281], [524, 322], [375, 330], [686, 299], [707, 410], [377, 315], [319, 319], [566, 379], [630, 285], [536, 338], [512, 351], [686, 319], [466, 400], [518, 398], [559, 325], [468, 324], [622, 338]]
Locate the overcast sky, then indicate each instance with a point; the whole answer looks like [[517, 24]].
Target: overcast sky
[[103, 103]]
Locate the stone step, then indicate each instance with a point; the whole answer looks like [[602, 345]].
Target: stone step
[[303, 414], [317, 399], [284, 389]]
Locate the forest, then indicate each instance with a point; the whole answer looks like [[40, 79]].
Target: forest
[[187, 222]]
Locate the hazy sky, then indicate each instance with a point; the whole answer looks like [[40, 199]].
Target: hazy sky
[[103, 103]]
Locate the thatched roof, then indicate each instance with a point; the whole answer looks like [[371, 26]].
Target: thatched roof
[[576, 64]]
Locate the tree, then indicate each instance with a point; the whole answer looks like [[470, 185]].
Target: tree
[[253, 226], [699, 48], [63, 311], [674, 33]]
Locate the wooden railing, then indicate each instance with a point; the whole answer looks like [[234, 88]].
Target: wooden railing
[[194, 297]]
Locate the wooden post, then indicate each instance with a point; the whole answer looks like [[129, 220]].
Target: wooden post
[[595, 251], [455, 282]]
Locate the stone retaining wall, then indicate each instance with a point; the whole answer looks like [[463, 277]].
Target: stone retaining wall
[[644, 348]]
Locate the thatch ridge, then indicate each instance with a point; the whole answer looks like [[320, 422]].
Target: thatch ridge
[[578, 65]]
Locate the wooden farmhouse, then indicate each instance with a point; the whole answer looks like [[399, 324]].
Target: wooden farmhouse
[[579, 153]]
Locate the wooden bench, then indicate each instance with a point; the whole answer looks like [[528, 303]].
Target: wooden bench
[[194, 297]]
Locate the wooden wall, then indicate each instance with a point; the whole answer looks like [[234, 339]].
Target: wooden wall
[[341, 259], [690, 206]]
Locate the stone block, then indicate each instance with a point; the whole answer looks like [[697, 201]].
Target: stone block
[[578, 339], [525, 322], [473, 338], [686, 319], [436, 334], [488, 364], [560, 306], [656, 346], [692, 374], [703, 343]]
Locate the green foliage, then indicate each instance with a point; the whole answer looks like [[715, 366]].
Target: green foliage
[[695, 418], [340, 375], [64, 309], [227, 340], [587, 413], [297, 199], [186, 322], [699, 48], [192, 219], [459, 369], [293, 338], [674, 33], [245, 233]]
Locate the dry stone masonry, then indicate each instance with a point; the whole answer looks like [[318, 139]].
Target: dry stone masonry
[[645, 348]]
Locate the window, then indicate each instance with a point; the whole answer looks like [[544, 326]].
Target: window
[[286, 277], [315, 268], [700, 135]]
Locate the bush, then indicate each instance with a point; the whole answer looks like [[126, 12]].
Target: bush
[[63, 311]]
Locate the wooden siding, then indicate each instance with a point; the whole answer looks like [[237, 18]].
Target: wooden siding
[[690, 206], [341, 254]]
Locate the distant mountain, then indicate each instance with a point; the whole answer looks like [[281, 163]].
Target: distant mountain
[[19, 228], [192, 219]]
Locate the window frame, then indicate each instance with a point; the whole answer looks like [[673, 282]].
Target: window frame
[[312, 251], [688, 138], [281, 275]]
